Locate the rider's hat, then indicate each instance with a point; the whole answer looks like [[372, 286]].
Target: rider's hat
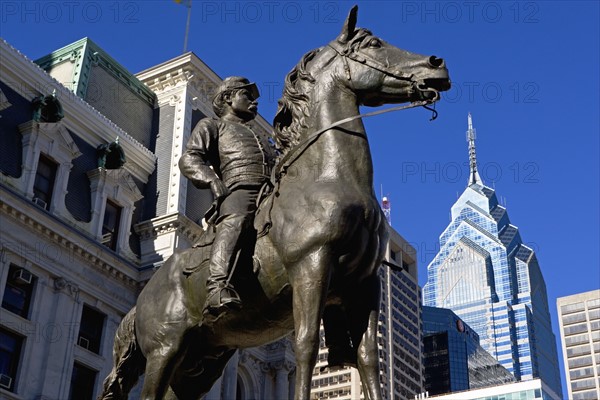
[[237, 82]]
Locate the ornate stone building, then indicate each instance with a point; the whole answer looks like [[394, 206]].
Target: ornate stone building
[[91, 203], [69, 269]]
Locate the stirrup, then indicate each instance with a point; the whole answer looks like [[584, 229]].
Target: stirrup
[[221, 298]]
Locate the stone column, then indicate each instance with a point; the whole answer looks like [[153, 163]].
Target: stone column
[[29, 131], [98, 197], [215, 391], [56, 381], [291, 380], [282, 379], [58, 205], [266, 369], [230, 377]]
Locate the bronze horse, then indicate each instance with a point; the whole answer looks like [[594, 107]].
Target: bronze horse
[[320, 256]]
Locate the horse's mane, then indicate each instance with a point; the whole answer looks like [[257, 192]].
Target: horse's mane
[[293, 111], [290, 121]]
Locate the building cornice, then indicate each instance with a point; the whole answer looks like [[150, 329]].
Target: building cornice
[[188, 69], [45, 225], [165, 224], [29, 80]]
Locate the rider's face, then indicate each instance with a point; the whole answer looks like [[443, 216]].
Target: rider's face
[[243, 104]]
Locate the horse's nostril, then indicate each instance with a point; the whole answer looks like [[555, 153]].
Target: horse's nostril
[[435, 62]]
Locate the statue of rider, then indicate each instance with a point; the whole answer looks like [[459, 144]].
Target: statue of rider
[[229, 155]]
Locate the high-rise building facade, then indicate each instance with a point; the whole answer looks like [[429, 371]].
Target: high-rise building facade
[[453, 360], [579, 319], [489, 278], [399, 335], [534, 389]]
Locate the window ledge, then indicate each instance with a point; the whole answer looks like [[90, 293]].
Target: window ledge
[[88, 357], [5, 394]]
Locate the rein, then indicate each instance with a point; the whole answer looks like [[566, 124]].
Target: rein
[[291, 156], [299, 149], [281, 169]]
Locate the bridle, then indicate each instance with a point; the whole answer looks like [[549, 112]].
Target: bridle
[[347, 53], [292, 155]]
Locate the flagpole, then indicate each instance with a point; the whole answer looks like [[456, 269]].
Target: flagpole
[[187, 25]]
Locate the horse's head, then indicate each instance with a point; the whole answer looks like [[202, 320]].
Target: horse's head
[[356, 63], [380, 73]]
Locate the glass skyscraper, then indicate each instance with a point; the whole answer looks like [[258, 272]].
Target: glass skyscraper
[[453, 358], [490, 279]]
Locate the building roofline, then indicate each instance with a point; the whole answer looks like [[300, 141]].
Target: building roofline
[[190, 63], [34, 81], [93, 55]]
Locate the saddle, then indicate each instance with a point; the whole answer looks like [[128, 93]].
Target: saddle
[[262, 224]]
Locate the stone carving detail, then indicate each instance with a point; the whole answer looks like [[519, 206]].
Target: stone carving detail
[[61, 284], [111, 155], [4, 103], [47, 108]]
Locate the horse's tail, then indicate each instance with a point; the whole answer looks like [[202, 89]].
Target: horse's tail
[[129, 362]]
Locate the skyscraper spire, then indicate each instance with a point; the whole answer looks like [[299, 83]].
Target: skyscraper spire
[[473, 174]]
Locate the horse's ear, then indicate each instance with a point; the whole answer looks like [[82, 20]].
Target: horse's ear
[[349, 26]]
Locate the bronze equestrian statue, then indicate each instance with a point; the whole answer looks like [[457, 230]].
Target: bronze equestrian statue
[[322, 237]]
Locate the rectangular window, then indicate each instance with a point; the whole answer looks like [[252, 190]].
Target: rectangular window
[[10, 355], [573, 329], [83, 381], [573, 318], [580, 362], [578, 351], [44, 181], [90, 330], [18, 291], [110, 226], [569, 308], [589, 395], [593, 303]]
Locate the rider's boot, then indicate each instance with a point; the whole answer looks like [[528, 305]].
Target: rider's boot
[[221, 298], [221, 295]]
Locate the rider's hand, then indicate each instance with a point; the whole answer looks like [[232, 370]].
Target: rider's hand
[[218, 188]]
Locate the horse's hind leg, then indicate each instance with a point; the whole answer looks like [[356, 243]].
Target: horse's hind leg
[[364, 314]]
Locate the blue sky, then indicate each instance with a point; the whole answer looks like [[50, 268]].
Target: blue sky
[[528, 72]]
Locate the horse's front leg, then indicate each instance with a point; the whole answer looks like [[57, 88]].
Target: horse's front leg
[[164, 345], [162, 362], [310, 280]]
